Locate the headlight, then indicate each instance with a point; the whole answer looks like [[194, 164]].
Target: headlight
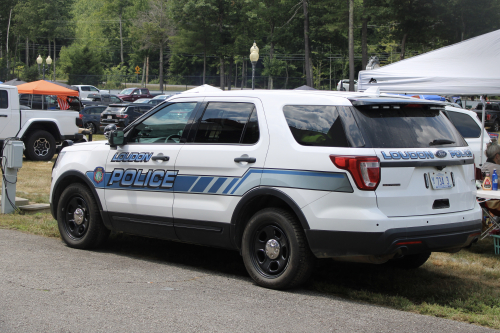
[[58, 159]]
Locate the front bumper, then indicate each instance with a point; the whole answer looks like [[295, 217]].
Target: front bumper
[[412, 240]]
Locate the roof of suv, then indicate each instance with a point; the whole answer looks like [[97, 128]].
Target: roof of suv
[[342, 97]]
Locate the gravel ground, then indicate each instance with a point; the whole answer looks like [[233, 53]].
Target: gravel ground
[[48, 287]]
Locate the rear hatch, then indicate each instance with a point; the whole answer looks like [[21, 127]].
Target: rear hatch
[[426, 166], [112, 114]]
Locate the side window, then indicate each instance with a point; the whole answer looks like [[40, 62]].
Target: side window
[[316, 125], [85, 88], [251, 133], [164, 126], [465, 124], [4, 99], [104, 98], [96, 110], [136, 92], [115, 99], [225, 123]]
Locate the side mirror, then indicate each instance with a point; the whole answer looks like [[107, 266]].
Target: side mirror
[[108, 129], [116, 138]]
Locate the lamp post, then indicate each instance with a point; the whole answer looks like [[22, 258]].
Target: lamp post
[[254, 57], [39, 61]]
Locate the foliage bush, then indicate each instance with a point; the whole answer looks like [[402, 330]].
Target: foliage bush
[[82, 63]]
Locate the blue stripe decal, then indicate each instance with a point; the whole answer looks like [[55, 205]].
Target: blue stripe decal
[[248, 173], [184, 183], [218, 183], [230, 185], [170, 181], [201, 184], [304, 173]]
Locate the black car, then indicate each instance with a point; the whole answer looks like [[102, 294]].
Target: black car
[[123, 114], [492, 115], [101, 99], [91, 117]]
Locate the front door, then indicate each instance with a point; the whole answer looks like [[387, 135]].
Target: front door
[[6, 116], [139, 188], [222, 160]]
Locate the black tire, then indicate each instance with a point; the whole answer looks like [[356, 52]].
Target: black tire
[[78, 218], [412, 261], [40, 146], [91, 127], [496, 126], [294, 261]]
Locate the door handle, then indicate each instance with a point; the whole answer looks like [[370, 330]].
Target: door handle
[[245, 159], [160, 158], [3, 115]]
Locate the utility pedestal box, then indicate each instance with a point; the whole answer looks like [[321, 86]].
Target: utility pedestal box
[[12, 159]]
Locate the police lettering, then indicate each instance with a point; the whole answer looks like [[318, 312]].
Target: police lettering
[[140, 178], [132, 157]]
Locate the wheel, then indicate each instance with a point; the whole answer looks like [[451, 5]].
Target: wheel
[[40, 146], [275, 250], [496, 126], [91, 127], [78, 218], [411, 261]]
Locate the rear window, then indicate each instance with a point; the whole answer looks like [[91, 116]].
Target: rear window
[[465, 124], [316, 125], [114, 109], [406, 127]]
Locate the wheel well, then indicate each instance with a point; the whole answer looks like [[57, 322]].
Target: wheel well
[[60, 188], [257, 203], [46, 126]]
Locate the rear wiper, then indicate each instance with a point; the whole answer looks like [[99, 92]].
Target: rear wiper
[[440, 142]]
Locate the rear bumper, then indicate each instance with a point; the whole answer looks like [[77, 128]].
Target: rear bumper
[[434, 238]]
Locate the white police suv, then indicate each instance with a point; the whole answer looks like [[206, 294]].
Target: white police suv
[[282, 176]]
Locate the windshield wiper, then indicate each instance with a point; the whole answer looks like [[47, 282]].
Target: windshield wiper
[[440, 142]]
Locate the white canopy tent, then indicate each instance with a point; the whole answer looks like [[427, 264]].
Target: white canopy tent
[[470, 67], [466, 68]]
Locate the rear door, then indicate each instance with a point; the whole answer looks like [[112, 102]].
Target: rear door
[[5, 113], [426, 166], [222, 160]]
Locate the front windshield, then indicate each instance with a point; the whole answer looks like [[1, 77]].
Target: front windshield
[[127, 91]]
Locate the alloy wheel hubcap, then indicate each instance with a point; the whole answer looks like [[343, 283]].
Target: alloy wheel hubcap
[[78, 216], [41, 147]]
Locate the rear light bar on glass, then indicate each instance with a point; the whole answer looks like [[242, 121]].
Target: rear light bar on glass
[[365, 170]]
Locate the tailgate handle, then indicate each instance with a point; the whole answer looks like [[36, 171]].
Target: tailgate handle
[[441, 204]]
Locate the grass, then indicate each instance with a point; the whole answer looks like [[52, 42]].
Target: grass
[[464, 286]]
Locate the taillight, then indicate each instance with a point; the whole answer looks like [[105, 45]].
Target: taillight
[[80, 116], [488, 117], [365, 170], [122, 116]]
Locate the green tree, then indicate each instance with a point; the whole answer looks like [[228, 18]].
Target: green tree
[[82, 64]]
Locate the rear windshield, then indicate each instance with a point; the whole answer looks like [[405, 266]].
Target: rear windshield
[[406, 127], [114, 109]]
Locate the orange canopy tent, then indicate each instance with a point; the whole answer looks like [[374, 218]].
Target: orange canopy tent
[[45, 88]]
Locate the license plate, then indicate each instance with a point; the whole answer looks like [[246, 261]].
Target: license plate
[[440, 180], [110, 117]]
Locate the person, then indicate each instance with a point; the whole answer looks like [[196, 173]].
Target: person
[[493, 159], [493, 162]]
